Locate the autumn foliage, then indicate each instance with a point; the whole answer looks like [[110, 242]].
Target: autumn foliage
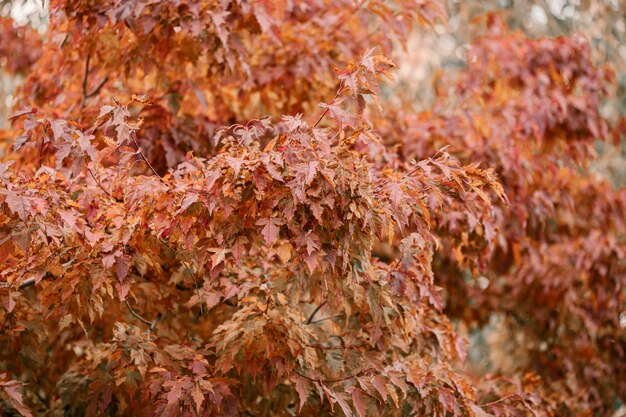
[[213, 208]]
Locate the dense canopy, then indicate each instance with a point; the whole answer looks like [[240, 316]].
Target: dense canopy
[[217, 208]]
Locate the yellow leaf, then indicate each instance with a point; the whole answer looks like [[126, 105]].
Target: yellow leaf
[[65, 321], [284, 252], [282, 299]]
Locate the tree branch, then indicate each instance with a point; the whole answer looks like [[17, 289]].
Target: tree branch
[[155, 321], [322, 347]]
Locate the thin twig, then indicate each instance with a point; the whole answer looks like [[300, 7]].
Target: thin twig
[[315, 312], [267, 304], [322, 347], [319, 119], [92, 129], [326, 318], [86, 79], [395, 266], [132, 136], [98, 88], [331, 381], [156, 321], [506, 397], [100, 185], [193, 276], [41, 153], [134, 313]]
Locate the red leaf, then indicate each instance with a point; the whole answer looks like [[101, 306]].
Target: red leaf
[[175, 393], [198, 397], [303, 388], [271, 229], [17, 204], [69, 218], [122, 265], [338, 396], [9, 387], [22, 112], [189, 199], [358, 401]]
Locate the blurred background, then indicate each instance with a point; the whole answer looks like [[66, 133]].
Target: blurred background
[[602, 22]]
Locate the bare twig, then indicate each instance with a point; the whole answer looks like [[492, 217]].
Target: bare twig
[[322, 347], [155, 321], [138, 316], [315, 312], [96, 90], [99, 87], [326, 318], [394, 267], [86, 78], [506, 397], [330, 381], [41, 153], [193, 276]]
